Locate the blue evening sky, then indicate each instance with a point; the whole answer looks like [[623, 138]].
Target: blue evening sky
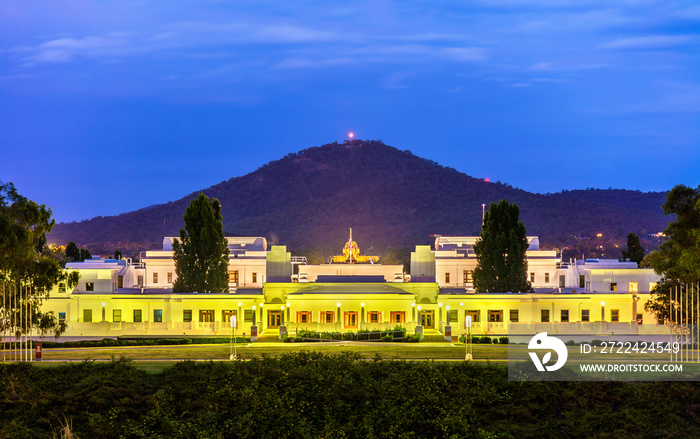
[[110, 106]]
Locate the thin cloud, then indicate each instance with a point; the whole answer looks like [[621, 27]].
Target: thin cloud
[[651, 42], [470, 54]]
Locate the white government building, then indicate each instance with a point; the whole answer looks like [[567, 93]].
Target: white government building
[[121, 298]]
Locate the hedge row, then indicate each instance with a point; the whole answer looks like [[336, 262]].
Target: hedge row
[[310, 395]]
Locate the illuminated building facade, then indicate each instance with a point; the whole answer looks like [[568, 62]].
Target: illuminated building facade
[[118, 298]]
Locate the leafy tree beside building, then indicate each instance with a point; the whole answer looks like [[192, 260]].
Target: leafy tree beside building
[[678, 257], [76, 254], [500, 251], [27, 270], [201, 252]]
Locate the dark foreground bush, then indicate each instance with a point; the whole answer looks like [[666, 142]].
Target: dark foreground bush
[[314, 395]]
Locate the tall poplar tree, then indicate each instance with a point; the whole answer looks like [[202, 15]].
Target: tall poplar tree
[[201, 252], [635, 251], [500, 251]]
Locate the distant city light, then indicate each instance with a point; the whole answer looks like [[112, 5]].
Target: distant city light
[[486, 179], [599, 235], [351, 135]]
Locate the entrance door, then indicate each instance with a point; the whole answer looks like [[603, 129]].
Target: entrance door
[[427, 319], [274, 319]]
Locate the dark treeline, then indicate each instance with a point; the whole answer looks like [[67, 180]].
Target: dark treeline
[[312, 395]]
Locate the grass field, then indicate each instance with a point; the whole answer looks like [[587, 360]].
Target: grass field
[[160, 356], [421, 351]]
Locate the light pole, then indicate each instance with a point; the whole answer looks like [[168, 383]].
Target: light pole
[[338, 319], [362, 314], [602, 311], [232, 349], [468, 338]]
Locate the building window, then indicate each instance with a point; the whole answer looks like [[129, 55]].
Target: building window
[[350, 319], [581, 281], [120, 282], [495, 316], [116, 315], [613, 286], [447, 278], [139, 281], [454, 315], [327, 316], [155, 278], [89, 286], [564, 315], [61, 317], [514, 315], [137, 315], [206, 315], [186, 315], [248, 315], [157, 315], [640, 319], [562, 281], [614, 315], [546, 278], [544, 314], [255, 278], [532, 278], [475, 314], [634, 287], [467, 274], [585, 315], [170, 278], [62, 287], [233, 277], [303, 316], [398, 317], [373, 317], [87, 315], [225, 317]]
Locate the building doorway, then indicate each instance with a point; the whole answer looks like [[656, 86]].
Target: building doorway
[[274, 319], [495, 316], [427, 319]]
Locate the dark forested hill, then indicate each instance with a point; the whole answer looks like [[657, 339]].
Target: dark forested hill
[[309, 199]]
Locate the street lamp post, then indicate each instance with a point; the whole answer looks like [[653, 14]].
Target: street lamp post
[[232, 350]]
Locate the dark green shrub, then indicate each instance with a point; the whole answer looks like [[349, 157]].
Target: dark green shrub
[[503, 340], [388, 337]]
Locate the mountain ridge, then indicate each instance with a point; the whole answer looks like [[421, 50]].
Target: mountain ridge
[[308, 200]]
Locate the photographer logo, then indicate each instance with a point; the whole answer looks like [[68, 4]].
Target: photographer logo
[[542, 342]]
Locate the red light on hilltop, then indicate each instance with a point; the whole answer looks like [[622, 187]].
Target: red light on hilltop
[[486, 179]]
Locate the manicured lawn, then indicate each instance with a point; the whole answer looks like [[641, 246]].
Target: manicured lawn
[[418, 351]]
